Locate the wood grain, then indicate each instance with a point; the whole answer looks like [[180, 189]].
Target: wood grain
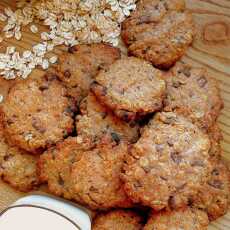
[[211, 49]]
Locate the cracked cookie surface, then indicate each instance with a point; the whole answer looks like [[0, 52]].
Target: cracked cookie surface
[[130, 87], [37, 113], [168, 164]]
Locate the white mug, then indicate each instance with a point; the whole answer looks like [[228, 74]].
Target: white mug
[[38, 211]]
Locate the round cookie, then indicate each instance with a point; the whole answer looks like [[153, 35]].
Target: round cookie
[[118, 220], [192, 93], [214, 196], [80, 65], [186, 219], [159, 31], [96, 176], [37, 113], [130, 87], [88, 176], [168, 164], [17, 167], [95, 121]]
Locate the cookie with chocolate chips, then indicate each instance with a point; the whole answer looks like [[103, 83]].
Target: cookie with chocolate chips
[[193, 93], [80, 65], [118, 220], [214, 196], [85, 174], [186, 219], [130, 87], [96, 121], [159, 31], [37, 113], [168, 164], [17, 167]]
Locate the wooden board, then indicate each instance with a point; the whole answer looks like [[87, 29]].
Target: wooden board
[[211, 49]]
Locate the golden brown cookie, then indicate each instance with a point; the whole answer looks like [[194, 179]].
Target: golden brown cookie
[[37, 113], [186, 219], [95, 121], [96, 176], [192, 93], [80, 65], [118, 220], [214, 195], [159, 31], [168, 163], [17, 167], [88, 176], [130, 87]]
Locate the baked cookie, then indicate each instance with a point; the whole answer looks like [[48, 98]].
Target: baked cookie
[[37, 113], [55, 167], [95, 121], [118, 220], [214, 196], [168, 163], [130, 87], [186, 219], [96, 176], [80, 65], [193, 93], [17, 167], [88, 176], [159, 31]]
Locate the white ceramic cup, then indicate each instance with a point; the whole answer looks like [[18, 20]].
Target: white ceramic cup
[[38, 211]]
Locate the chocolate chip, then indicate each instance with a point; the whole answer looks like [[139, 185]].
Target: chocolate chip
[[7, 157], [103, 115], [67, 74], [215, 172], [44, 87], [60, 180], [115, 137], [202, 81], [216, 184], [72, 49], [166, 6], [10, 122], [176, 157]]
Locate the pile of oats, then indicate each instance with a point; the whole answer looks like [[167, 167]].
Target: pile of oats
[[70, 22]]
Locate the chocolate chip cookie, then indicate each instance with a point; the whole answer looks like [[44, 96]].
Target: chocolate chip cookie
[[17, 167], [214, 196], [193, 93], [80, 65], [87, 175], [118, 220], [37, 113], [95, 121], [168, 163], [130, 87], [186, 219], [159, 31]]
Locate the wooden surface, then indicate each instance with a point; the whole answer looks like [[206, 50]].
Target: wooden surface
[[211, 49]]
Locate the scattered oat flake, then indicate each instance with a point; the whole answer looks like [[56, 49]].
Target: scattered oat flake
[[53, 59], [34, 29], [18, 35], [45, 64], [1, 98], [3, 17]]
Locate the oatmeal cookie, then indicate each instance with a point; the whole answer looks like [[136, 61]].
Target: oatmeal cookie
[[194, 94], [186, 219], [37, 113], [130, 87], [17, 167], [214, 196], [118, 220], [55, 167], [168, 163], [95, 121], [78, 68], [96, 176], [89, 176], [159, 31]]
